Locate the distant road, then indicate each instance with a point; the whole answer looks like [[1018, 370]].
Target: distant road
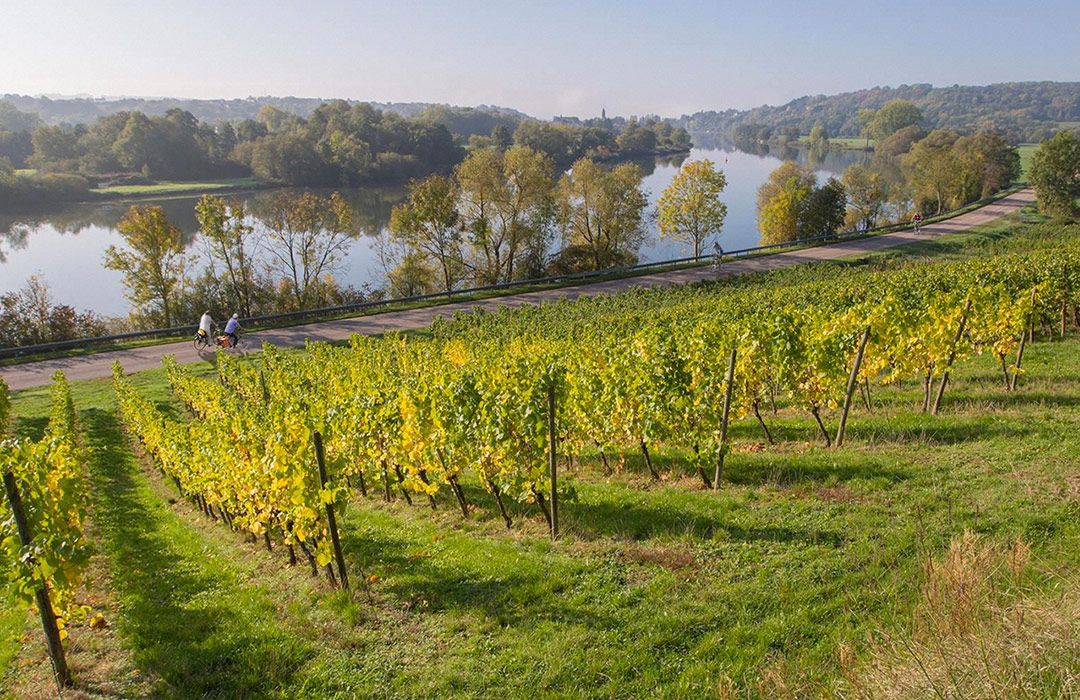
[[100, 364]]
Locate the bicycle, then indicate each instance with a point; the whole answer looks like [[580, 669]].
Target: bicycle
[[202, 341]]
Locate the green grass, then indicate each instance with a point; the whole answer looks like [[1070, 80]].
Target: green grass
[[1027, 152], [25, 172], [175, 187], [844, 142]]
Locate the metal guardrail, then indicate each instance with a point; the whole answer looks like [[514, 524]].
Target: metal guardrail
[[270, 320]]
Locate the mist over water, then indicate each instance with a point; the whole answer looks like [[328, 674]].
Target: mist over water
[[66, 245]]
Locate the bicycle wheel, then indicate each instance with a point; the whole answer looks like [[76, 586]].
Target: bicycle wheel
[[201, 343]]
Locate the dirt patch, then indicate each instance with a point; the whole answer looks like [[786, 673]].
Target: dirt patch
[[664, 557]]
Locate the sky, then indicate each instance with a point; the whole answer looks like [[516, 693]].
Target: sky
[[546, 58]]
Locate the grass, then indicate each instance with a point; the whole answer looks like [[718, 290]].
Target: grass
[[658, 589], [177, 186], [1027, 152], [843, 142]]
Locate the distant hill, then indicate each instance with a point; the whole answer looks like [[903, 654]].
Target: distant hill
[[1024, 112], [86, 110]]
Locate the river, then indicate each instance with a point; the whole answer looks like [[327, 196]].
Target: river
[[65, 245]]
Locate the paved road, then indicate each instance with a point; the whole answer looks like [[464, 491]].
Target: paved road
[[100, 364]]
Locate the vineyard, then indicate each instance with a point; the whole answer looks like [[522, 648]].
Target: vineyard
[[503, 399], [643, 432]]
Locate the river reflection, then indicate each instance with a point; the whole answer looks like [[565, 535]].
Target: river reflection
[[66, 244]]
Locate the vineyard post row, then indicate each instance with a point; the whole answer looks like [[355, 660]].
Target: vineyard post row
[[44, 550]]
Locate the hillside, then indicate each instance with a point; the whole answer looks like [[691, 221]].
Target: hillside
[[86, 110], [1025, 112]]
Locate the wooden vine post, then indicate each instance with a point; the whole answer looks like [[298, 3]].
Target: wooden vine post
[[729, 381], [553, 460], [321, 459], [1023, 338], [44, 605], [950, 359], [853, 381]]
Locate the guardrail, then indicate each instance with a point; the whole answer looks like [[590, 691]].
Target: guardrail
[[272, 320]]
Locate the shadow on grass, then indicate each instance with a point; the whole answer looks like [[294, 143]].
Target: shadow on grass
[[528, 595], [180, 617]]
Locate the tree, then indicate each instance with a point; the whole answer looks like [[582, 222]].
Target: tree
[[1055, 174], [602, 211], [501, 137], [690, 210], [483, 189], [823, 210], [779, 202], [428, 223], [230, 241], [818, 141], [931, 170], [307, 235], [892, 117], [153, 261], [866, 196], [526, 211]]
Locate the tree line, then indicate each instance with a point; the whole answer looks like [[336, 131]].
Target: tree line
[[338, 144], [911, 170], [1022, 112]]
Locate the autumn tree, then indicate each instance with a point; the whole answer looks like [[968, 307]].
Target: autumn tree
[[780, 201], [1055, 174], [690, 210], [152, 261], [429, 224], [602, 212], [307, 235], [931, 168], [866, 196], [230, 242]]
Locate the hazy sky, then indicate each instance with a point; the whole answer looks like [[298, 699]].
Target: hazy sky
[[667, 57]]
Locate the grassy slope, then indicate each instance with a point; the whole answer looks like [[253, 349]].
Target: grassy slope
[[657, 590]]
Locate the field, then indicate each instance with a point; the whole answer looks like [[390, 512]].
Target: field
[[804, 576], [1027, 152], [177, 187]]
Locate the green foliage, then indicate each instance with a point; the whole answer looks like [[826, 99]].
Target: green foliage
[[866, 196], [780, 202], [428, 222], [823, 210], [602, 211], [49, 477], [1055, 174], [689, 209], [152, 261], [1024, 111], [891, 118], [946, 170]]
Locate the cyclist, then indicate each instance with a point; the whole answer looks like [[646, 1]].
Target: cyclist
[[718, 255], [206, 325], [917, 221], [232, 329]]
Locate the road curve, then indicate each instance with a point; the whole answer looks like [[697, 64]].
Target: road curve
[[100, 364]]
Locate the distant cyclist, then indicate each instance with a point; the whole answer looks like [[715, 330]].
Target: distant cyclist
[[206, 325], [232, 329], [916, 221], [718, 255]]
